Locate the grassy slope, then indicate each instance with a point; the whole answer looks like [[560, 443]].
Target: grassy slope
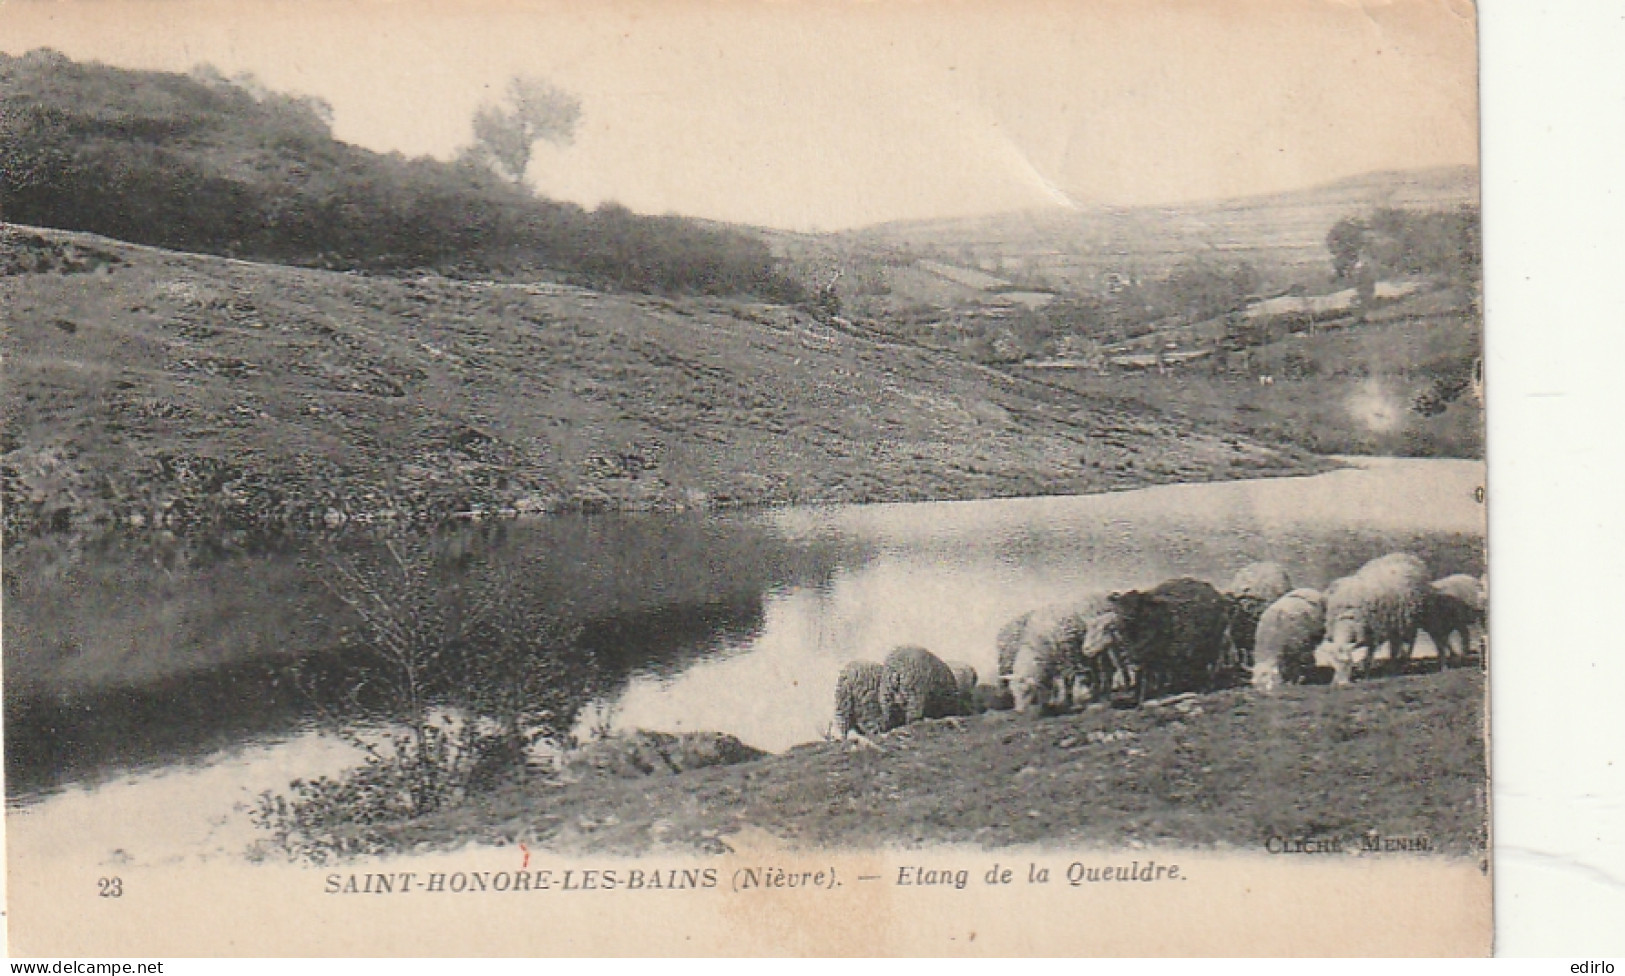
[[304, 391], [1350, 391], [1399, 756]]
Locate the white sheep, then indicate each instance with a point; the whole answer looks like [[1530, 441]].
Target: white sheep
[[1288, 632], [1383, 603], [1040, 653], [861, 702]]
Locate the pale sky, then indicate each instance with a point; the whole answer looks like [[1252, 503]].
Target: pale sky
[[823, 114]]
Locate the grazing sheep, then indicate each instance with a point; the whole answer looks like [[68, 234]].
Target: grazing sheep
[[1039, 653], [1383, 603], [1467, 589], [1288, 632], [965, 683], [1448, 621], [1166, 639], [1251, 590], [861, 702], [1480, 643], [918, 685], [1454, 616]]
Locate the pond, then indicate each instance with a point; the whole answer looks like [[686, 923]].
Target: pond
[[733, 622]]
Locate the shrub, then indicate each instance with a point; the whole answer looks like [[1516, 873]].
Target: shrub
[[1298, 365], [328, 819], [464, 670]]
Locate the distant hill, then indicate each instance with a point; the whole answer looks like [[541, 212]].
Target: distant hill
[[151, 389], [1283, 234], [201, 163]]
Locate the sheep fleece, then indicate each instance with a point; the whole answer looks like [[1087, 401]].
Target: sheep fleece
[[1467, 589], [1453, 608], [1266, 581], [1382, 603], [1253, 589], [1172, 635], [1288, 634], [860, 700], [1044, 645], [920, 684]]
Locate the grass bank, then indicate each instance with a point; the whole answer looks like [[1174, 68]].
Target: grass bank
[[1400, 757]]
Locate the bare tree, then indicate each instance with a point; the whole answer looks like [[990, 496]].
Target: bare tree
[[449, 649], [533, 110], [414, 618]]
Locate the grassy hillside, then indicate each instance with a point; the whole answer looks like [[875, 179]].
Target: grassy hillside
[[202, 163], [1096, 285], [1398, 757], [154, 389], [1398, 383]]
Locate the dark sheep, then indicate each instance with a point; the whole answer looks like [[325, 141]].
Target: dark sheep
[[1470, 591], [1251, 591], [1454, 617], [1163, 640], [1467, 589]]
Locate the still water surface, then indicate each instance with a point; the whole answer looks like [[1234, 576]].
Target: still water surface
[[762, 664]]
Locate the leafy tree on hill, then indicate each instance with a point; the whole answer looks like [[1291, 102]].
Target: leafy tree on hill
[[1345, 241], [1395, 242], [505, 135]]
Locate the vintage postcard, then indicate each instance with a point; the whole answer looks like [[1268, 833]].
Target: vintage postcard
[[815, 478]]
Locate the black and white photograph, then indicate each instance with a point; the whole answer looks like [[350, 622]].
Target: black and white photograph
[[730, 461]]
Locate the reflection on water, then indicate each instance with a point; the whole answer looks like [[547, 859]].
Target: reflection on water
[[115, 663], [949, 575], [735, 623], [178, 813]]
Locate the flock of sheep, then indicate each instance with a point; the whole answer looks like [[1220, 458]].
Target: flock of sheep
[[1183, 635]]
